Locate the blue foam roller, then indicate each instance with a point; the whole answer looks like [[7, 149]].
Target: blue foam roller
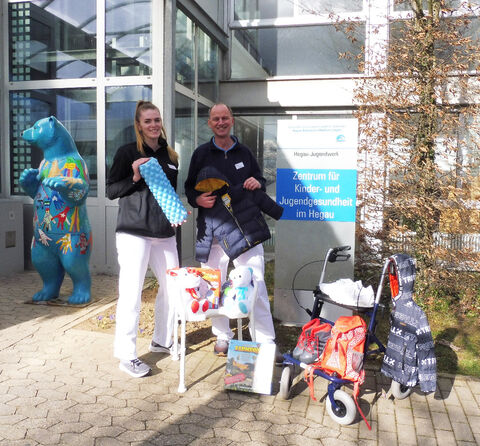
[[163, 192]]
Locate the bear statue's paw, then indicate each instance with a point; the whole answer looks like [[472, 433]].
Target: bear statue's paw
[[29, 181], [55, 183], [29, 176], [44, 295], [79, 298], [71, 190]]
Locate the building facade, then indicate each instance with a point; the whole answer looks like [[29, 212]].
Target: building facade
[[88, 63]]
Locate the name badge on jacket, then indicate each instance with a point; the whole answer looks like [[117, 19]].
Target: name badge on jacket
[[239, 165]]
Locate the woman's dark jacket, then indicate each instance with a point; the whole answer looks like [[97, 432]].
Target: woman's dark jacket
[[410, 355], [235, 220], [139, 212]]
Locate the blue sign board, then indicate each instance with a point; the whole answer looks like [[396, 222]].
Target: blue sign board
[[317, 194]]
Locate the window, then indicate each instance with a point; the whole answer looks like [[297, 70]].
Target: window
[[197, 61], [207, 66], [297, 38], [53, 71], [456, 43], [120, 113], [272, 9], [196, 58], [184, 51], [204, 133], [52, 39], [456, 148], [76, 109], [184, 135], [259, 133], [294, 51], [405, 5], [128, 38]]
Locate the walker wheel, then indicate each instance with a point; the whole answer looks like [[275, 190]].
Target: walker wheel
[[399, 391], [345, 412], [285, 383]]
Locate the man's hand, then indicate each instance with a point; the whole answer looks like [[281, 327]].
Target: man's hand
[[206, 200], [136, 171], [251, 184]]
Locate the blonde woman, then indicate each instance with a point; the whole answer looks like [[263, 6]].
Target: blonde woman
[[144, 237]]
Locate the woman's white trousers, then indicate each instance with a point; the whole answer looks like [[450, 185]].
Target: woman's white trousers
[[135, 254]]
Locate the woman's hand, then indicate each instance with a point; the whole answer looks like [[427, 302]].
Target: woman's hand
[[251, 184], [136, 171], [206, 200]]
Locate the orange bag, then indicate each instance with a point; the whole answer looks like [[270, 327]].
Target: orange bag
[[344, 351]]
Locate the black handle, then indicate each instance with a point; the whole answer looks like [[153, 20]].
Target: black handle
[[342, 248], [335, 255]]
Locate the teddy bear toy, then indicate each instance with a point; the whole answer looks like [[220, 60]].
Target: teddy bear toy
[[62, 239], [238, 293]]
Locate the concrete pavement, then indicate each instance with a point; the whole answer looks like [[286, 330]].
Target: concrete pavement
[[61, 385]]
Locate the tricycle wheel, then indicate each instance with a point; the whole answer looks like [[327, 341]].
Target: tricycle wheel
[[285, 383], [346, 410], [399, 391]]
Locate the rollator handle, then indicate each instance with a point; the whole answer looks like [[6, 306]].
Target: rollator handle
[[342, 248], [334, 256]]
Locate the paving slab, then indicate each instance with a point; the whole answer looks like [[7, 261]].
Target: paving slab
[[61, 385]]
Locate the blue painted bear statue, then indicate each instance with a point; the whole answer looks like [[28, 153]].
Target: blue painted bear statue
[[62, 239]]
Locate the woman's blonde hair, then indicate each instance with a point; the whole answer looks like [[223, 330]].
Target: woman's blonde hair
[[141, 107]]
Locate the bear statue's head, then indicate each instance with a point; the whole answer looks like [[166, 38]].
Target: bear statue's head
[[50, 135], [241, 276]]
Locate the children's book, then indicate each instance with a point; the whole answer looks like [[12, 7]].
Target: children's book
[[250, 367]]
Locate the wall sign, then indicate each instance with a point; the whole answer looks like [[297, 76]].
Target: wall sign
[[316, 169]]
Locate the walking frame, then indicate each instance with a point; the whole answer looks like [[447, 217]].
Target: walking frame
[[340, 406]]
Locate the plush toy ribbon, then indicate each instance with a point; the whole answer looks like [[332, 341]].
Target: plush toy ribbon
[[163, 192]]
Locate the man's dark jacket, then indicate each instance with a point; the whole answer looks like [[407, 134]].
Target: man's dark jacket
[[235, 220], [237, 164], [410, 355]]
